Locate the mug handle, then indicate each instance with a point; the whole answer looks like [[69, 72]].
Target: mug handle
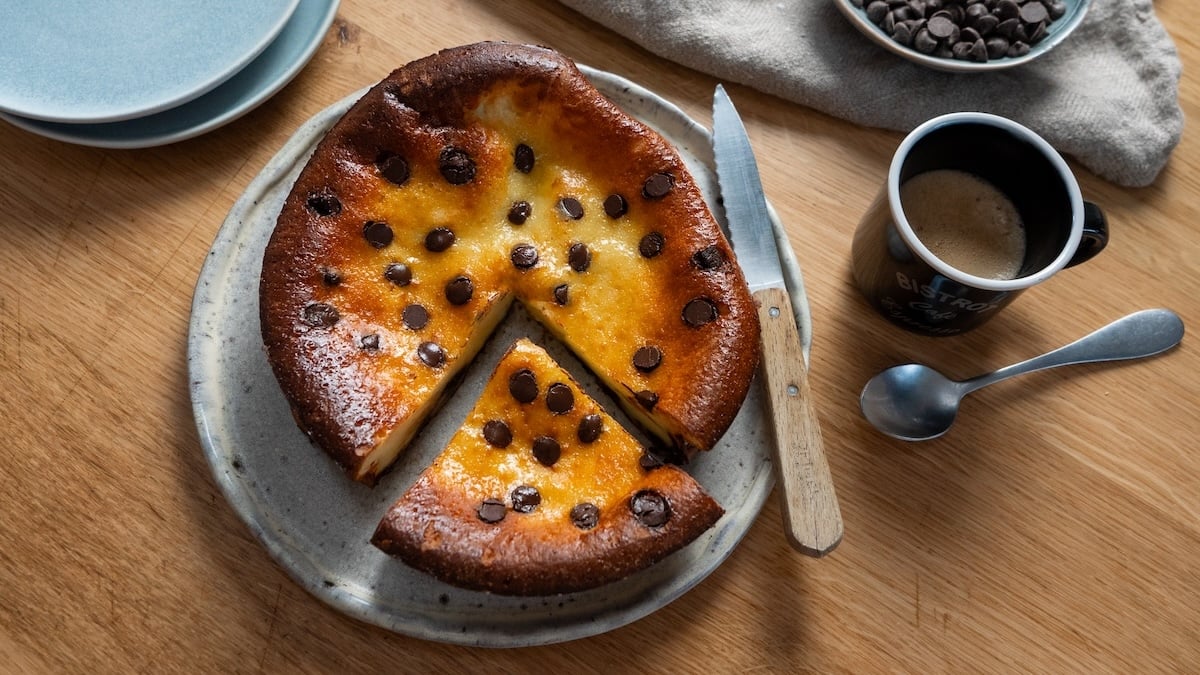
[[1095, 234]]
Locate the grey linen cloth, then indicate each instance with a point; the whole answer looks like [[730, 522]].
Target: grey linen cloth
[[1107, 96]]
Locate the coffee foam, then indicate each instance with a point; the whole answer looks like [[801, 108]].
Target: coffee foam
[[966, 222]]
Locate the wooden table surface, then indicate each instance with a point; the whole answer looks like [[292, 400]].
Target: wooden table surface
[[1055, 529]]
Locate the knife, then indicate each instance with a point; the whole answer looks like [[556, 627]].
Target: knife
[[812, 519]]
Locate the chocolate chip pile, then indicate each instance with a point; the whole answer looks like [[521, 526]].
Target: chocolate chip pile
[[966, 30]]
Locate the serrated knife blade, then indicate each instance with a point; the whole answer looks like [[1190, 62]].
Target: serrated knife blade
[[812, 518]]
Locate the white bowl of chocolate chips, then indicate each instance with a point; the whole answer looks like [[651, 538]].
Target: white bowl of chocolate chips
[[966, 35]]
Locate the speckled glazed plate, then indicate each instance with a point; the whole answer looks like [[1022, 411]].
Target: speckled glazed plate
[[110, 60], [251, 86], [316, 523]]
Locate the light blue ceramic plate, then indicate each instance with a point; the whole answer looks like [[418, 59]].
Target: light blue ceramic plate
[[258, 81], [316, 523], [110, 60]]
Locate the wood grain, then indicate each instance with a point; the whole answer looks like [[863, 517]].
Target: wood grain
[[811, 516], [1055, 529]]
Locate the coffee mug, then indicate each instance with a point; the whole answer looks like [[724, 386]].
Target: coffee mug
[[976, 209]]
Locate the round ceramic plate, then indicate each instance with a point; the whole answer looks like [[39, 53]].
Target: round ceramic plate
[[110, 60], [1056, 32], [262, 78], [316, 522]]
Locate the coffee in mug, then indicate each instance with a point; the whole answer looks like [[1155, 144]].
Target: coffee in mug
[[976, 209], [966, 222]]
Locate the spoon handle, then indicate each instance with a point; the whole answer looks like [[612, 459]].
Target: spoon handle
[[1134, 336]]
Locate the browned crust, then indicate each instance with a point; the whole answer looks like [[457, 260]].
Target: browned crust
[[419, 109], [432, 529]]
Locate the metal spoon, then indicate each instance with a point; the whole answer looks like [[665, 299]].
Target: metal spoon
[[916, 403]]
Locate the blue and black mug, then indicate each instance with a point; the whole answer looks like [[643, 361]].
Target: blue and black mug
[[975, 210]]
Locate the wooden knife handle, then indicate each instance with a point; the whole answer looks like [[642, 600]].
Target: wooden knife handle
[[812, 519]]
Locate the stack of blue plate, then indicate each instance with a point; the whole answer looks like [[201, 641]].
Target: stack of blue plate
[[140, 73]]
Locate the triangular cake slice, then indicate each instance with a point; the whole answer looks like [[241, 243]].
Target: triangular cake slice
[[466, 180], [542, 492]]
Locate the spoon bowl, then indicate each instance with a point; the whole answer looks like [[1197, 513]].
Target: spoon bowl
[[911, 402], [914, 402]]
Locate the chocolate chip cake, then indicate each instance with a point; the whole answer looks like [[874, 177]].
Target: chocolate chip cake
[[541, 492], [471, 178]]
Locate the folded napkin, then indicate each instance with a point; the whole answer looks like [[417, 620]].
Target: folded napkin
[[1108, 95]]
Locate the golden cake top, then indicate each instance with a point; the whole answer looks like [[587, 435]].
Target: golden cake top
[[479, 175]]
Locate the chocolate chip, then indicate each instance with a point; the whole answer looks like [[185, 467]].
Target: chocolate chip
[[974, 12], [377, 234], [876, 11], [1037, 33], [589, 428], [398, 273], [1007, 9], [615, 206], [431, 354], [546, 450], [986, 24], [492, 510], [331, 276], [523, 158], [658, 186], [708, 258], [649, 461], [459, 290], [647, 399], [415, 317], [651, 245], [1017, 49], [525, 498], [650, 508], [940, 26], [394, 168], [571, 208], [439, 239], [978, 51], [523, 386], [320, 315], [585, 516], [559, 398], [324, 204], [524, 256], [519, 212], [369, 342], [1008, 27], [699, 311], [561, 294], [996, 47], [923, 41], [456, 166], [647, 358], [579, 257], [497, 434]]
